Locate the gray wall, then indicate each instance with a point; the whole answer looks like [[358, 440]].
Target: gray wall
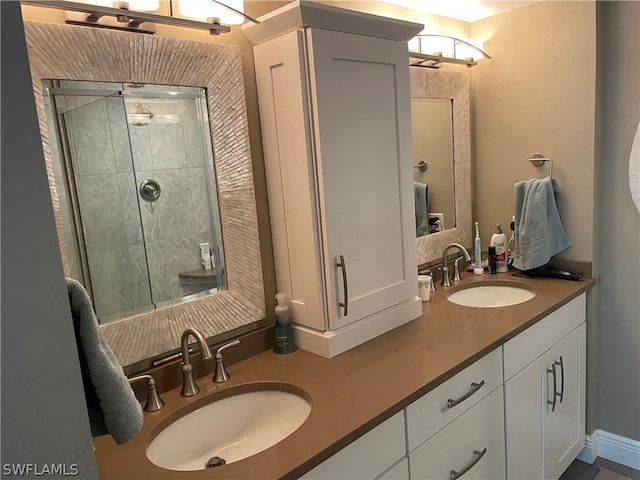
[[44, 418], [618, 222]]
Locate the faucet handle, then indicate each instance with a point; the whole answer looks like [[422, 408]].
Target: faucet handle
[[433, 279], [221, 375], [154, 402], [456, 270]]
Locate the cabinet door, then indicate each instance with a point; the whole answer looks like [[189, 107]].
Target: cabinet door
[[567, 421], [281, 80], [543, 438], [362, 117], [525, 421]]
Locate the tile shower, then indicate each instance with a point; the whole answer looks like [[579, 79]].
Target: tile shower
[[127, 251]]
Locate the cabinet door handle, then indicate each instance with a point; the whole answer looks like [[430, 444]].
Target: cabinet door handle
[[561, 363], [552, 370], [476, 458], [345, 286], [474, 388]]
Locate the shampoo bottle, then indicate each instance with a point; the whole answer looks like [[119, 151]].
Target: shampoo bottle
[[284, 341], [478, 270], [499, 241]]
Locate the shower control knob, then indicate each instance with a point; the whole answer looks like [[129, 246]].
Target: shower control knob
[[150, 190]]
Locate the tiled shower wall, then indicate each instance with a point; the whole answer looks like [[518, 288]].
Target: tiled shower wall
[[126, 279]]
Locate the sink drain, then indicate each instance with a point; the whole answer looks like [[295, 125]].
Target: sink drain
[[215, 462]]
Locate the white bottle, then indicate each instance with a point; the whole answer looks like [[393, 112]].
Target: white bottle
[[499, 240], [205, 256]]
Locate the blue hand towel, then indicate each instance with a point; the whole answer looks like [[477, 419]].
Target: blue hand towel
[[112, 405], [539, 234], [421, 191]]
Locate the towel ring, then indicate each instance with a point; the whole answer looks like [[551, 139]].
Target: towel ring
[[421, 165], [538, 159]]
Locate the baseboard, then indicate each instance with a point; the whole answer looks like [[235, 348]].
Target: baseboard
[[610, 446]]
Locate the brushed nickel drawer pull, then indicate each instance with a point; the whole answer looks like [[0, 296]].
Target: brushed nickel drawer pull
[[345, 287], [474, 388], [552, 370], [561, 394], [476, 458]]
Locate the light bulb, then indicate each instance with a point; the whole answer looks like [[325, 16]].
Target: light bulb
[[203, 9]]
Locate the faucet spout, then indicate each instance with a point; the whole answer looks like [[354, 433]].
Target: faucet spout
[[446, 281], [189, 387]]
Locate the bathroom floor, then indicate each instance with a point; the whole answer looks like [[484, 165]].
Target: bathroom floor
[[583, 471]]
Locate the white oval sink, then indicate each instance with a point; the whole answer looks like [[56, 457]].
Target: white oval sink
[[491, 296], [230, 428]]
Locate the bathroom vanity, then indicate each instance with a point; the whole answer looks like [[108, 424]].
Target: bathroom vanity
[[365, 400]]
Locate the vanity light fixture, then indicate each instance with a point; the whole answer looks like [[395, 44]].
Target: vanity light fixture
[[432, 50], [140, 16]]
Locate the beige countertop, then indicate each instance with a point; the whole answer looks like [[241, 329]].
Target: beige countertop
[[355, 391]]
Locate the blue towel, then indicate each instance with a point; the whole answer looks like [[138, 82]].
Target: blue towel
[[111, 404], [539, 234], [421, 191]]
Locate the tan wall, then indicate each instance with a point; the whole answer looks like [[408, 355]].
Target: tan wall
[[536, 95]]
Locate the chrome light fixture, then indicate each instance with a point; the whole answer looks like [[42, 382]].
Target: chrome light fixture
[[432, 50], [139, 16]]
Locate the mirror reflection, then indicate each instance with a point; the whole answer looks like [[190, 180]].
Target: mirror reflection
[[134, 175], [432, 129], [451, 90]]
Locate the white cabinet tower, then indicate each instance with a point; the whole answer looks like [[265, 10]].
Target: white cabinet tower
[[333, 90]]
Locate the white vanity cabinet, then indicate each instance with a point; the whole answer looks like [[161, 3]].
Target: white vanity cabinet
[[545, 394], [333, 90], [459, 425], [378, 454]]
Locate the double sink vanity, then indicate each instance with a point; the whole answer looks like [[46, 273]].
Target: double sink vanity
[[444, 379], [382, 386]]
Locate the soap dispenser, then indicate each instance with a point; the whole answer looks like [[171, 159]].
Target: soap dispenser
[[499, 241], [284, 341]]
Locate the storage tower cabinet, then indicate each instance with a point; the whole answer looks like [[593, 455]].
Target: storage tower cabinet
[[333, 90]]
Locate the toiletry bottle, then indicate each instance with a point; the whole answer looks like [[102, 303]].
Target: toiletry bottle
[[284, 341], [492, 260], [205, 256], [499, 241], [478, 270]]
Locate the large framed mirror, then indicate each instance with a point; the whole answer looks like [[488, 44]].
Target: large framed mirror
[[102, 98], [442, 96]]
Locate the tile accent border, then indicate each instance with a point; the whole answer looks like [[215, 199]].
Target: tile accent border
[[69, 52]]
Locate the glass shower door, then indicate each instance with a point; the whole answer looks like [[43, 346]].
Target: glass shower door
[[134, 173]]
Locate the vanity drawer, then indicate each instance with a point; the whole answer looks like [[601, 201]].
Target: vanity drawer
[[429, 414], [369, 456], [474, 440], [520, 351]]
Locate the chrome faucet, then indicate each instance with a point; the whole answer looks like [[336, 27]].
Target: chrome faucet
[[189, 387], [446, 281]]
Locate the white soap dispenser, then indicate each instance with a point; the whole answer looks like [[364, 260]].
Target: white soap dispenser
[[499, 241]]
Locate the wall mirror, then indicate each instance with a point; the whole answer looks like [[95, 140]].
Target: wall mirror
[[432, 131], [445, 94], [192, 94]]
